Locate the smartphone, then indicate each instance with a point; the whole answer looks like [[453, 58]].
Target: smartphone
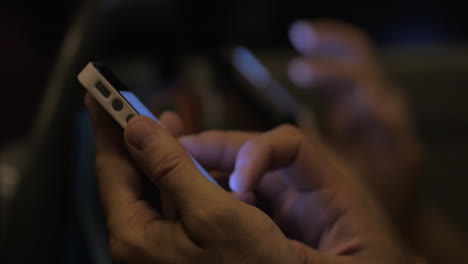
[[271, 86], [264, 86], [118, 101]]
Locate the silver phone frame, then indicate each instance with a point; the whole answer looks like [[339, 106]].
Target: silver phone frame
[[89, 77]]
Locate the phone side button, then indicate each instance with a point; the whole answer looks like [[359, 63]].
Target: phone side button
[[102, 89], [117, 104], [130, 116]]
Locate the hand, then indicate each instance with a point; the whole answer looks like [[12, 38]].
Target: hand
[[310, 194], [367, 118], [211, 227]]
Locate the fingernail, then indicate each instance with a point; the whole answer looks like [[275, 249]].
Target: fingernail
[[141, 135], [234, 183], [301, 72]]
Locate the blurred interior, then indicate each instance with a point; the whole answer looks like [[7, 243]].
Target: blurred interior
[[176, 55]]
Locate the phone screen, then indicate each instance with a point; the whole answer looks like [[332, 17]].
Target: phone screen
[[138, 106], [133, 100], [130, 97]]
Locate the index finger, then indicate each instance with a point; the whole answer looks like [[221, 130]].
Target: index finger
[[301, 160], [216, 150]]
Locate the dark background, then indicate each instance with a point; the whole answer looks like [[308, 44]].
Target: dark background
[[422, 44], [31, 34]]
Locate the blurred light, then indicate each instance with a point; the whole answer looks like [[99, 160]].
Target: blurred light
[[303, 37], [9, 178], [258, 75], [250, 67]]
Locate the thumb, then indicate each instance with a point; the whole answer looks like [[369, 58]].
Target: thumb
[[167, 164]]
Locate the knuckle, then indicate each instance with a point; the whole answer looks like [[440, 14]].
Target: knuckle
[[126, 246], [220, 216], [122, 241], [166, 165], [290, 130], [119, 250], [211, 134], [214, 220], [189, 254], [214, 135], [251, 144]]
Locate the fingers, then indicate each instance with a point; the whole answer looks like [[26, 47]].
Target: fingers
[[172, 122], [358, 91], [308, 72], [216, 150], [134, 226], [250, 155], [284, 147], [334, 51], [118, 181], [169, 167], [330, 38], [363, 92]]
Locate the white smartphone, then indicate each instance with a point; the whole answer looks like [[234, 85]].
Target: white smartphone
[[120, 103]]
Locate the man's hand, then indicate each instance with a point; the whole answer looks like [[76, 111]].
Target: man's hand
[[211, 226], [310, 190], [368, 119], [310, 194]]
